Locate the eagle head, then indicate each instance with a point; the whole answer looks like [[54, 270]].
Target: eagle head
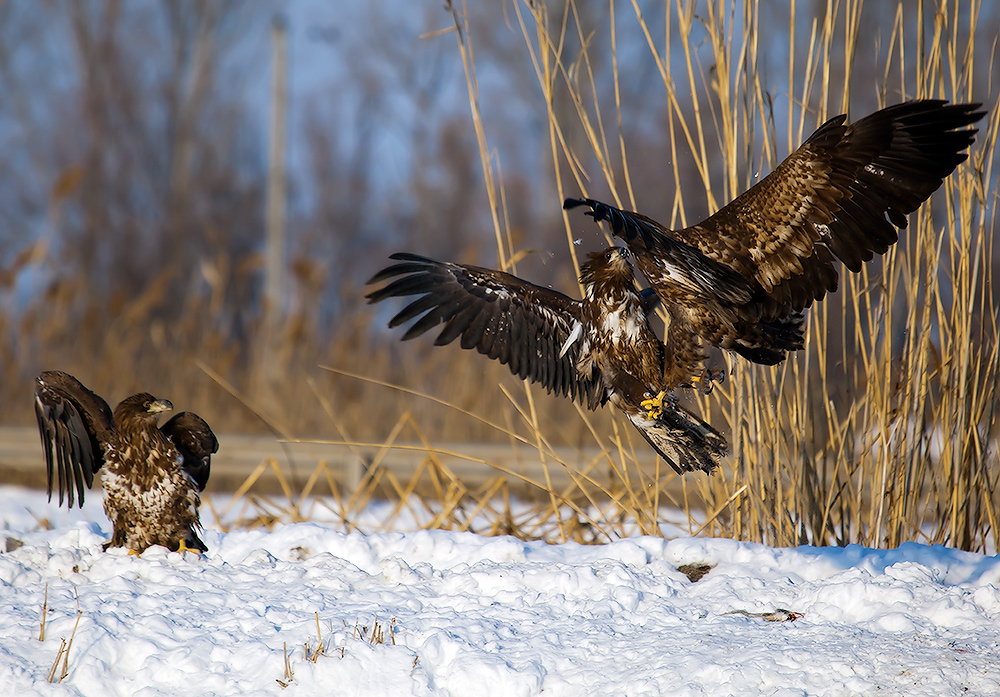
[[142, 407], [608, 273]]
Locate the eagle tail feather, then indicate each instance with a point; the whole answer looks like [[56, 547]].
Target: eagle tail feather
[[759, 354], [192, 543], [687, 443]]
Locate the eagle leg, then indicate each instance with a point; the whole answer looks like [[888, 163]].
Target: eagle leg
[[703, 382], [654, 405], [184, 548]]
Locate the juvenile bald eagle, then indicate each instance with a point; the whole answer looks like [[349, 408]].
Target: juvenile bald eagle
[[152, 476], [596, 350], [741, 279]]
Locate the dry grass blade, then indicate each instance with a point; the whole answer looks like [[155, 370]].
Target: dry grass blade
[[289, 673], [63, 654], [51, 677], [65, 666], [45, 611]]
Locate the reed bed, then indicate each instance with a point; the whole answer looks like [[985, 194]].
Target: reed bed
[[884, 429]]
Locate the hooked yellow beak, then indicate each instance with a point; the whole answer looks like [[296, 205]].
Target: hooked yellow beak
[[160, 405]]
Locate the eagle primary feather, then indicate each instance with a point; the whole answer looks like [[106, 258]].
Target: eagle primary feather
[[594, 350], [740, 279], [152, 476]]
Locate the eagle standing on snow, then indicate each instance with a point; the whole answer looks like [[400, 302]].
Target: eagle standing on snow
[[152, 476], [738, 280], [596, 350], [741, 279]]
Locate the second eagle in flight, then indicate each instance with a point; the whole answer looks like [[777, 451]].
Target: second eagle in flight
[[738, 280]]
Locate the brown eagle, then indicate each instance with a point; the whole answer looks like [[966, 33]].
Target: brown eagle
[[741, 279], [152, 476], [596, 350]]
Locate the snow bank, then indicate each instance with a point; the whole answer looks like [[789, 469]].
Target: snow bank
[[491, 616]]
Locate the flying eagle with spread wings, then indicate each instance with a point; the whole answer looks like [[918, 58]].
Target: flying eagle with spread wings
[[152, 477], [741, 279], [596, 350]]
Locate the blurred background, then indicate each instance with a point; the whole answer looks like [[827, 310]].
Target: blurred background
[[133, 195], [150, 147], [134, 181]]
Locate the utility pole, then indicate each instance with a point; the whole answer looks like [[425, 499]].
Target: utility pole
[[270, 370], [274, 271]]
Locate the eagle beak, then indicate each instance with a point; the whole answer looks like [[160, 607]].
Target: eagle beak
[[160, 405]]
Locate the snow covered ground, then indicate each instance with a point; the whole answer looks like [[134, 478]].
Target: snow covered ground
[[465, 616]]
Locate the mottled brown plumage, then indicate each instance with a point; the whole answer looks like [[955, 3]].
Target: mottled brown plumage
[[741, 279], [594, 350], [152, 477], [196, 444]]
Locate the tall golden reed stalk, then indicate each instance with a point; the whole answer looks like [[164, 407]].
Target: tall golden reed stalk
[[884, 429]]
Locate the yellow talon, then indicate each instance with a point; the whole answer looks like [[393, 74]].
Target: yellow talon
[[133, 553], [703, 382], [654, 405], [184, 548]]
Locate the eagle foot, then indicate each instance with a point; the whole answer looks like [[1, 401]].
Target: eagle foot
[[654, 406], [703, 382], [184, 548], [133, 553]]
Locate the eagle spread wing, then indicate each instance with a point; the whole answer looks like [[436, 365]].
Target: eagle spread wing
[[594, 350], [739, 279], [526, 327], [74, 424], [152, 476], [196, 444]]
